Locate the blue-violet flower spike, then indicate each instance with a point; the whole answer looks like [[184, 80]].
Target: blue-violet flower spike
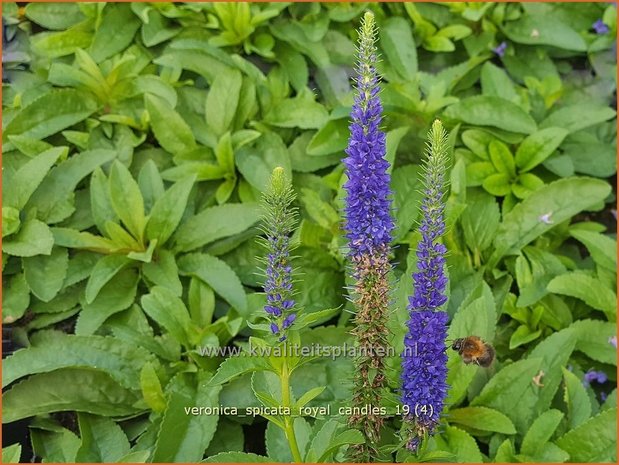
[[424, 361], [278, 224], [368, 226]]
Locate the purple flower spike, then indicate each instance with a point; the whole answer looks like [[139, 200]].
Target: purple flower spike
[[368, 204], [368, 227], [613, 341], [600, 27], [424, 361], [278, 224], [500, 49]]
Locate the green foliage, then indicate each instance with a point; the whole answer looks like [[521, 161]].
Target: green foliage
[[138, 139]]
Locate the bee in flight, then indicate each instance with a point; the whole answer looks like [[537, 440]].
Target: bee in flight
[[473, 350]]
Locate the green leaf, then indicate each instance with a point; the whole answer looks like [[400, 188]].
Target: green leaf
[[477, 172], [492, 111], [184, 437], [406, 185], [298, 112], [497, 184], [10, 221], [591, 290], [15, 299], [234, 367], [555, 351], [396, 39], [168, 211], [593, 441], [393, 139], [115, 31], [71, 238], [480, 219], [117, 295], [482, 418], [462, 445], [171, 131], [593, 339], [258, 162], [151, 388], [50, 113], [559, 200], [495, 81], [555, 33], [347, 437], [121, 360], [29, 146], [54, 199], [331, 138], [523, 335], [100, 202], [502, 158], [222, 100], [158, 29], [68, 389], [229, 437], [19, 187], [11, 454], [54, 16], [512, 392], [33, 238], [505, 452], [578, 116], [477, 141], [140, 456], [577, 400], [61, 43], [103, 441], [439, 44], [127, 200], [215, 223], [45, 274], [603, 249], [526, 184], [104, 270], [169, 312], [225, 153], [162, 271], [540, 432], [535, 148], [238, 457], [218, 275], [151, 184], [55, 444]]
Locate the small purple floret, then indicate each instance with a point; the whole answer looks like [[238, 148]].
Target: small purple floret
[[500, 49], [592, 375], [600, 27]]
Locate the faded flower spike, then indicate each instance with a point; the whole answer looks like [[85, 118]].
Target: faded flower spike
[[368, 228], [278, 224], [424, 361]]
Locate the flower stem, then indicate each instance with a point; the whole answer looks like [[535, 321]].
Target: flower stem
[[289, 420]]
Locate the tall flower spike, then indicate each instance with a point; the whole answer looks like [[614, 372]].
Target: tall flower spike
[[368, 228], [424, 361], [278, 224]]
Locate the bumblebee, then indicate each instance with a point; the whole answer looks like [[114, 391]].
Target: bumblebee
[[473, 349]]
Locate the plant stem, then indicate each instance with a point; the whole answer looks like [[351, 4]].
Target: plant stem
[[288, 420]]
